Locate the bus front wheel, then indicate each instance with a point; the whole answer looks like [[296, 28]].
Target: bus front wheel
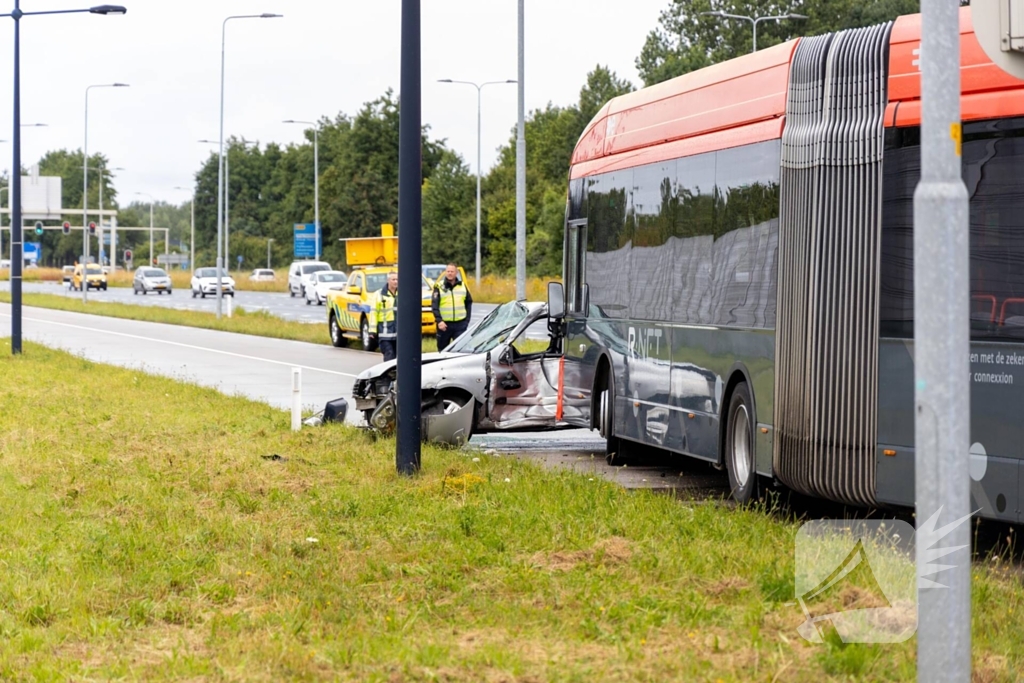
[[615, 452], [739, 446]]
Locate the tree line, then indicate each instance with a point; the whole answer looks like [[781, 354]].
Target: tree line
[[271, 187]]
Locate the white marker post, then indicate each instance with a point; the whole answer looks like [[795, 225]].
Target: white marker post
[[296, 399], [942, 365]]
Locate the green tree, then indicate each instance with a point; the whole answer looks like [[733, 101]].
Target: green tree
[[449, 213], [685, 41]]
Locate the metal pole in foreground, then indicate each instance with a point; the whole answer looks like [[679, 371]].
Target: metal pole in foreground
[[941, 341], [14, 195], [521, 162], [407, 448]]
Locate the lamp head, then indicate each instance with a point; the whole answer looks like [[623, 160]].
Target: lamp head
[[794, 15], [716, 13], [444, 80], [121, 85], [108, 9], [268, 15]]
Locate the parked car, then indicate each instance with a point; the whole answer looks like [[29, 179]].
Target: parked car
[[432, 271], [68, 273], [262, 275], [299, 274], [503, 374], [151, 280], [349, 307], [94, 277], [5, 263], [204, 283], [323, 282]]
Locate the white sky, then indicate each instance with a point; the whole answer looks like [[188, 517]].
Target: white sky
[[323, 57]]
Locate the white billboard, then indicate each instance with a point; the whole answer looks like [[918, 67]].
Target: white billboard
[[40, 198]]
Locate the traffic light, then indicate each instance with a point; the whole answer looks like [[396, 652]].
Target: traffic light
[[66, 228], [92, 228], [39, 227], [127, 254]]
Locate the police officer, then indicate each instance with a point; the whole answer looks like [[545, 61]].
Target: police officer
[[384, 309], [452, 305]]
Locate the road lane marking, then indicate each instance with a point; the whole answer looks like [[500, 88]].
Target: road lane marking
[[187, 346]]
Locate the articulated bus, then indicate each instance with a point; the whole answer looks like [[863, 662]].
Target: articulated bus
[[738, 268]]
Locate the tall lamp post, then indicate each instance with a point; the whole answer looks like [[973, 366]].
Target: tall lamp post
[[85, 182], [316, 181], [269, 240], [479, 89], [151, 200], [103, 171], [220, 167], [16, 232], [192, 237], [754, 21]]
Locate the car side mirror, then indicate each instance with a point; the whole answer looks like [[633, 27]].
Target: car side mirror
[[355, 289], [556, 301], [506, 356]]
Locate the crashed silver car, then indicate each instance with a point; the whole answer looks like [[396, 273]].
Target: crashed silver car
[[503, 374]]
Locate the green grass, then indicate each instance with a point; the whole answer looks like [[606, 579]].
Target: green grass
[[144, 537]]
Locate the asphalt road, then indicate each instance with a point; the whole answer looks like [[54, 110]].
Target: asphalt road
[[260, 368], [275, 303]]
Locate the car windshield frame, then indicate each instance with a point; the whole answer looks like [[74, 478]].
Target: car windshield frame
[[154, 272], [204, 273], [311, 268], [492, 330], [340, 277]]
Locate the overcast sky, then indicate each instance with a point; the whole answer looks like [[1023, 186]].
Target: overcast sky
[[321, 58]]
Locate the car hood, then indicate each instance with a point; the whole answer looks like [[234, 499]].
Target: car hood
[[213, 280], [437, 363]]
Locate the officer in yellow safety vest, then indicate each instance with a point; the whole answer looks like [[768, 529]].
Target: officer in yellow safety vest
[[385, 306], [452, 306]]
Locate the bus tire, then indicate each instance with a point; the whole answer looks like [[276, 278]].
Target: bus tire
[[739, 446], [615, 450]]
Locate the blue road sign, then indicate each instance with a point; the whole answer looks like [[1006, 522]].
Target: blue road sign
[[32, 251], [305, 240]]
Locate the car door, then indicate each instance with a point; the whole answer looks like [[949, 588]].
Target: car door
[[524, 380]]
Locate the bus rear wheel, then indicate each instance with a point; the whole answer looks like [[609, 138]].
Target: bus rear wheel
[[739, 446]]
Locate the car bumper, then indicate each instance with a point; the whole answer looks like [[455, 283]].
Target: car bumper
[[212, 289]]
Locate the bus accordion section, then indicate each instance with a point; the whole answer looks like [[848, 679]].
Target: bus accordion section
[[826, 342]]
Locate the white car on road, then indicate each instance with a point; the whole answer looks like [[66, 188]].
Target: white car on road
[[300, 275], [324, 281], [204, 283]]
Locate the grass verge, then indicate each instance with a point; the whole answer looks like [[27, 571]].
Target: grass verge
[[145, 540]]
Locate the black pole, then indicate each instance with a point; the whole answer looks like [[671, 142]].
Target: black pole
[[17, 261], [410, 176]]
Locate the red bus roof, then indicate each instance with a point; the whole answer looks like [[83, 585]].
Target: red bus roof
[[743, 100], [731, 94]]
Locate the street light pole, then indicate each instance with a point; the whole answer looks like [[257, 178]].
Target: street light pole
[[269, 240], [220, 167], [192, 238], [85, 185], [16, 232], [316, 179], [521, 161], [151, 200], [754, 21], [479, 170]]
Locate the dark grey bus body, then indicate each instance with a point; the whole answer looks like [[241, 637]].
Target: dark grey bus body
[[788, 265]]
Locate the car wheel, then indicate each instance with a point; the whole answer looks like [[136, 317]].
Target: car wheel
[[193, 294], [135, 291], [104, 287], [170, 291], [291, 292], [204, 295], [336, 337], [739, 446], [308, 302], [368, 342]]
